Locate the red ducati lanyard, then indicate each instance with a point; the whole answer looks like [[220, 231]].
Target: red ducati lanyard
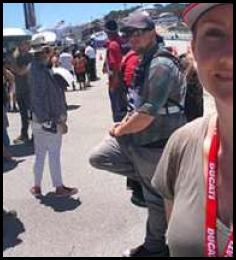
[[211, 249]]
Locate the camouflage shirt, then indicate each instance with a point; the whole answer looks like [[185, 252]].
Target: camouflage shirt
[[163, 79]]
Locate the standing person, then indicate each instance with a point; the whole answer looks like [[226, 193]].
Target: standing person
[[90, 53], [66, 62], [8, 84], [195, 173], [75, 48], [55, 59], [6, 140], [48, 119], [135, 145], [80, 64], [12, 97], [113, 62], [129, 64], [66, 59], [21, 70]]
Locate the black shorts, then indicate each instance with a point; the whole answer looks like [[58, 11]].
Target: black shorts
[[81, 77]]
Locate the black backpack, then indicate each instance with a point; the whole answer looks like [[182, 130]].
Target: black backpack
[[193, 103], [139, 77], [163, 52], [194, 97]]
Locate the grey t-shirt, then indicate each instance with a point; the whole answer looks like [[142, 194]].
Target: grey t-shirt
[[179, 177]]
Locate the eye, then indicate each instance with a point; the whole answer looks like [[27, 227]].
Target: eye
[[214, 34]]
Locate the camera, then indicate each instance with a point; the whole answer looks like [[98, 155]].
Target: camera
[[50, 127]]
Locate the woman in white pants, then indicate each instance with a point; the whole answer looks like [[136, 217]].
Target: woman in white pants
[[48, 142], [48, 120]]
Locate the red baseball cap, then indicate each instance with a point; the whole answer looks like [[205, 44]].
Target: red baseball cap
[[193, 12]]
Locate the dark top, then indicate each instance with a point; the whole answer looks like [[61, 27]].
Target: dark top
[[162, 79], [22, 85], [47, 95]]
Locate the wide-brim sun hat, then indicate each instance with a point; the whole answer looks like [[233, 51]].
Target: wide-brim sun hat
[[39, 44], [37, 49], [194, 11]]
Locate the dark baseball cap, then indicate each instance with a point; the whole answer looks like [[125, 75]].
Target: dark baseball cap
[[138, 20]]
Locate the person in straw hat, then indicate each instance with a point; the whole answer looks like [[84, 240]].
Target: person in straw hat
[[48, 119]]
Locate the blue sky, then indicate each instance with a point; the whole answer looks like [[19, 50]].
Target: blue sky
[[48, 14]]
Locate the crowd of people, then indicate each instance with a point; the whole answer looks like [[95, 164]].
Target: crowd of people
[[178, 162], [79, 62]]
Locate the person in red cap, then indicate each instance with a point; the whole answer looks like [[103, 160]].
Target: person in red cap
[[112, 64], [195, 173]]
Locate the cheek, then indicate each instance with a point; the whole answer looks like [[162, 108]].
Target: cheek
[[132, 41], [205, 58], [135, 43]]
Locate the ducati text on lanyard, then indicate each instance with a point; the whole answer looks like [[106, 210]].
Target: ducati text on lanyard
[[211, 249]]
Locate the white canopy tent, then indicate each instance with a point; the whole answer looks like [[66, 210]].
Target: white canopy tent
[[16, 32], [50, 37], [12, 36]]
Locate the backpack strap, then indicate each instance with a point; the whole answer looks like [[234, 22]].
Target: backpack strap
[[166, 54]]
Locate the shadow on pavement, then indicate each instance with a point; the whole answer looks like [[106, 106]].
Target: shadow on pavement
[[59, 204], [73, 107], [10, 165], [21, 150], [12, 227]]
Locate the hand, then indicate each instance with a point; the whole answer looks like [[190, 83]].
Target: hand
[[113, 131], [62, 128]]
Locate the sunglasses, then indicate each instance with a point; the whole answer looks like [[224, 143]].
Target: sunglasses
[[136, 33]]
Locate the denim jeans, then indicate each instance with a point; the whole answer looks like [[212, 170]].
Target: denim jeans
[[118, 104], [137, 163]]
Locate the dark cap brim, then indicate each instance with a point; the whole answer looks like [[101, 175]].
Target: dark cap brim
[[135, 22]]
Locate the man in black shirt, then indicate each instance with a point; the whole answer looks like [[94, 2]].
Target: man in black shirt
[[22, 65]]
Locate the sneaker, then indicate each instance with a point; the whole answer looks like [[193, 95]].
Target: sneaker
[[142, 251], [36, 191], [10, 160], [137, 198], [64, 191], [7, 155], [21, 140], [10, 213]]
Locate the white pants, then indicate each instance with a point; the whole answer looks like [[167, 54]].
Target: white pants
[[43, 142]]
